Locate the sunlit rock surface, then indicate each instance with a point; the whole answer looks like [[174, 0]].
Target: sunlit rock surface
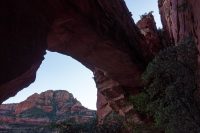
[[100, 34], [43, 110]]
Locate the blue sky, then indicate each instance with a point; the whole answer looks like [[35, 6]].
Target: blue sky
[[61, 72], [139, 7]]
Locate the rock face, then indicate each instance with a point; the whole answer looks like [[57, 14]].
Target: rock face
[[148, 28], [111, 97], [45, 108], [181, 20], [107, 37], [100, 34]]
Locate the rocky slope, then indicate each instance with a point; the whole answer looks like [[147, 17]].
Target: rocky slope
[[44, 109]]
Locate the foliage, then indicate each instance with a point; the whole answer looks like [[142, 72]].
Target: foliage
[[71, 126], [33, 113], [2, 123], [146, 14], [146, 128], [112, 124], [170, 83], [140, 101]]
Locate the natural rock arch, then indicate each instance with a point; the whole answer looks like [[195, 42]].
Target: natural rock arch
[[92, 32], [100, 34]]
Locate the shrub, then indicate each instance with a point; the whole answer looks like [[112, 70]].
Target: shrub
[[112, 124], [170, 83], [33, 113]]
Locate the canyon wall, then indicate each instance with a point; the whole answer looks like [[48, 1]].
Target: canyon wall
[[180, 19], [101, 34]]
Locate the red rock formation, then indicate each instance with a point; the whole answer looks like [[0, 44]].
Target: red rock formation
[[112, 97], [60, 105], [100, 34], [97, 33], [100, 43], [181, 20], [104, 31], [148, 28]]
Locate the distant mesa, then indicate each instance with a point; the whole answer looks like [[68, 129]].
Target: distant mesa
[[44, 109]]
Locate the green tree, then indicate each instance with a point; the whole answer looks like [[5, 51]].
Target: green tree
[[170, 84]]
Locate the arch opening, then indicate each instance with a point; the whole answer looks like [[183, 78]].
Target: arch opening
[[61, 72], [110, 53]]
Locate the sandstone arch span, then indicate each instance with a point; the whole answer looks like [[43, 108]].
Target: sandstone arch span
[[99, 34]]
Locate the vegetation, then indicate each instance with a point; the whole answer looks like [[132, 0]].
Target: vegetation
[[112, 124], [146, 14], [168, 96], [33, 113]]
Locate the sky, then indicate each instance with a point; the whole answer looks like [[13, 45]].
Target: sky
[[139, 7], [61, 72]]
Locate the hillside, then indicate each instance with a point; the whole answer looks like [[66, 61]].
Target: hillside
[[41, 110]]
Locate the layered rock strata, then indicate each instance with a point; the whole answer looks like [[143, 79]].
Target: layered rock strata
[[100, 34], [44, 109]]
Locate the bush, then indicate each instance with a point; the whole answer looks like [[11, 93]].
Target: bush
[[170, 83], [33, 113], [112, 124]]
